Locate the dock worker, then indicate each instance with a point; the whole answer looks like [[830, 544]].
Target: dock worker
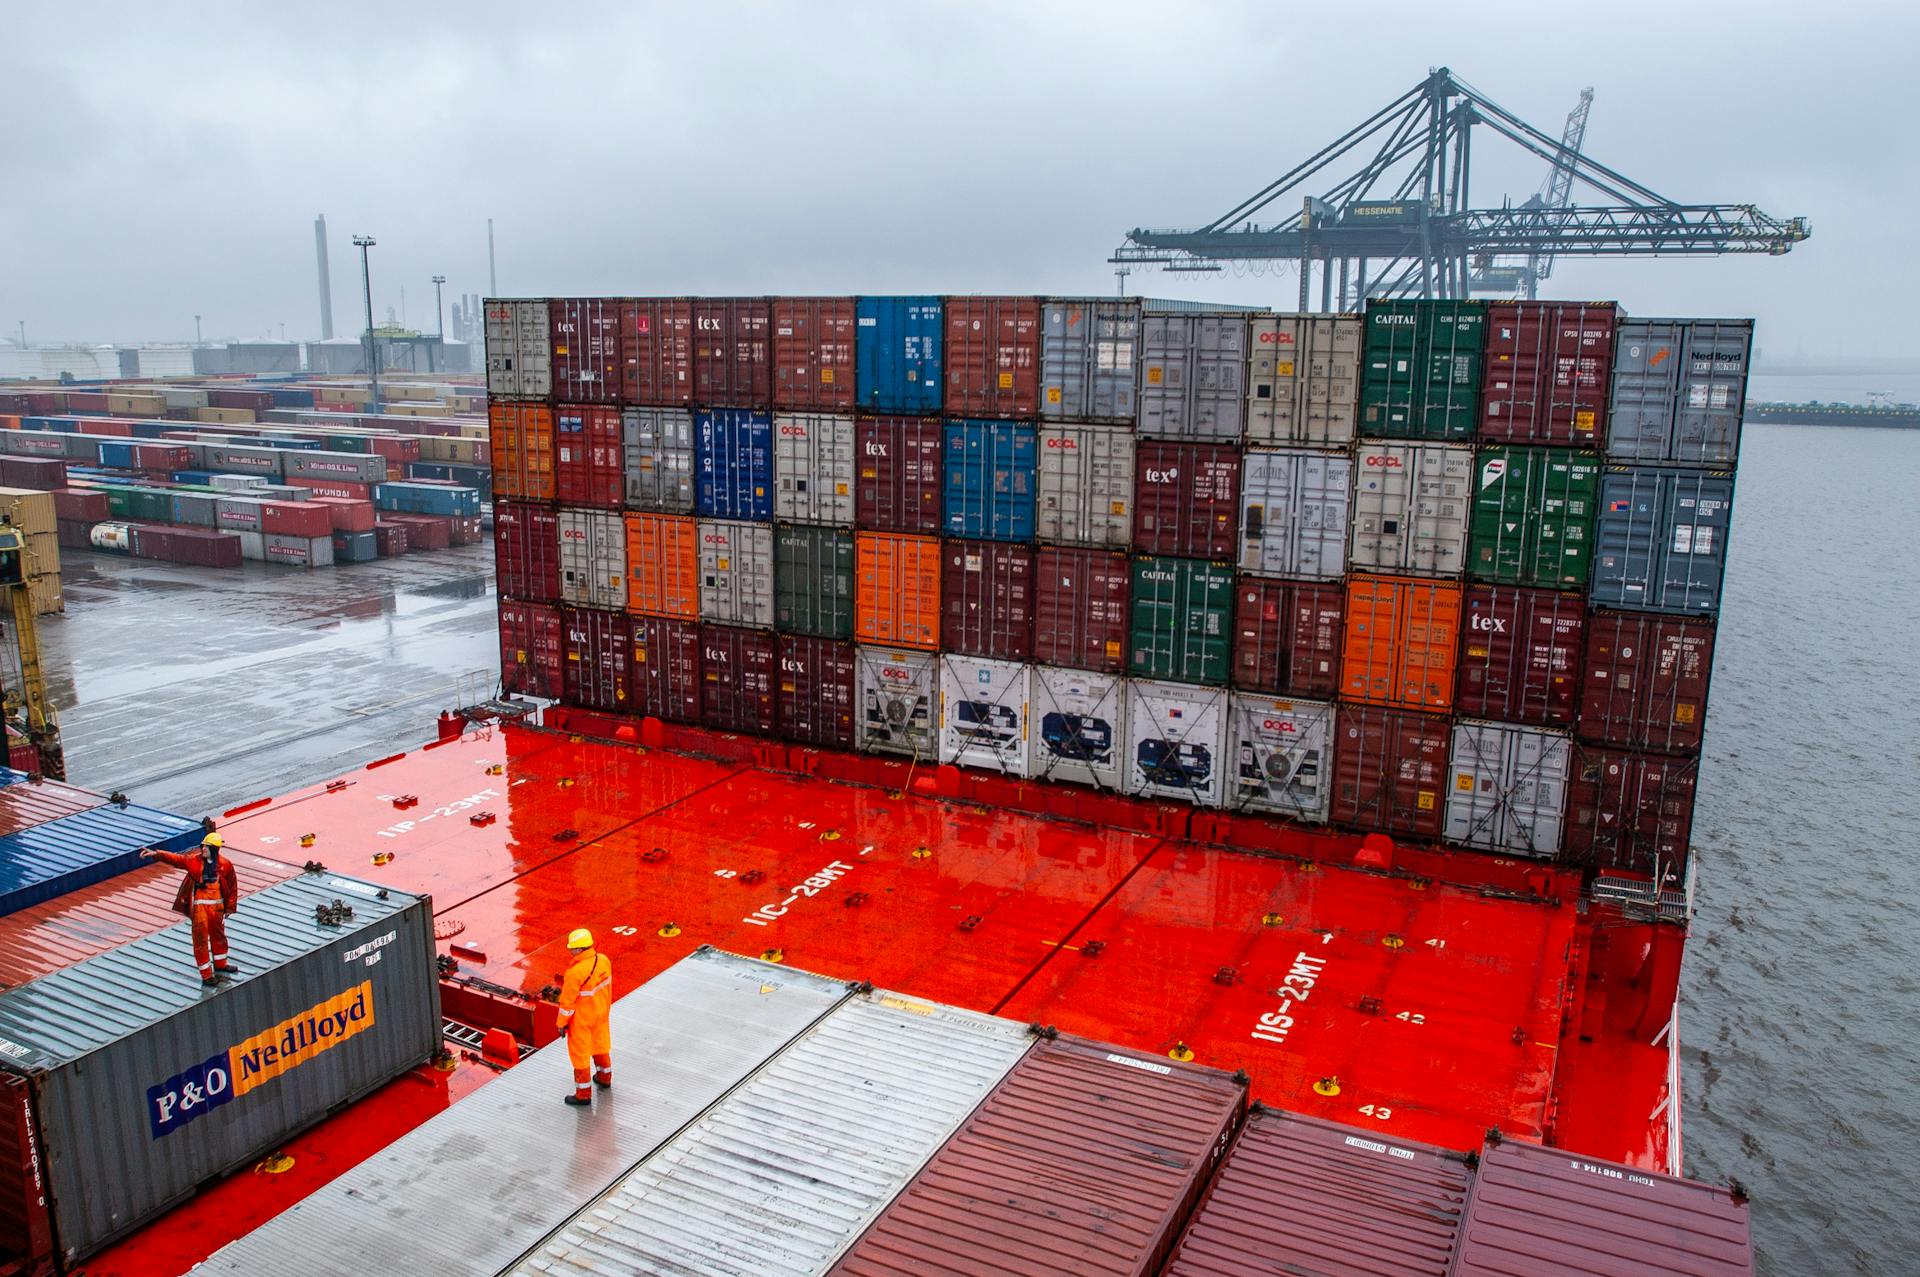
[[209, 892], [586, 1005]]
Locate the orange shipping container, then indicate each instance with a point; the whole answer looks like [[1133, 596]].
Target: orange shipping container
[[898, 595], [521, 437], [1402, 641], [663, 565]]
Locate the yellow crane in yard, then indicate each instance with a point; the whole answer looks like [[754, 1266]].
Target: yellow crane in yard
[[29, 711]]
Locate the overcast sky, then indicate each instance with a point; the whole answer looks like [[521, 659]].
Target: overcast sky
[[165, 160]]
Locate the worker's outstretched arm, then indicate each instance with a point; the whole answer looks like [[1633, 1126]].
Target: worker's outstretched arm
[[179, 860]]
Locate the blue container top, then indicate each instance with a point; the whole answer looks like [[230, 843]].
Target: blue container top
[[733, 464], [201, 477], [87, 847], [897, 353]]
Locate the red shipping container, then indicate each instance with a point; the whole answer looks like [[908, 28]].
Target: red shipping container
[[42, 403], [107, 427], [814, 697], [533, 654], [732, 352], [1080, 608], [74, 534], [465, 529], [398, 449], [35, 802], [86, 400], [295, 519], [1186, 499], [198, 547], [338, 488], [1549, 367], [249, 400], [1286, 636], [1646, 681], [986, 599], [526, 540], [666, 669], [42, 474], [424, 531], [813, 353], [78, 503], [390, 538], [1389, 770], [1520, 655], [586, 349], [898, 474], [598, 659], [588, 463], [992, 356], [347, 514], [736, 679], [656, 352], [161, 458], [1631, 813]]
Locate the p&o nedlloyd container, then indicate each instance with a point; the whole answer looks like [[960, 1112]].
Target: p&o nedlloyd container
[[1089, 365], [1679, 391], [1079, 725]]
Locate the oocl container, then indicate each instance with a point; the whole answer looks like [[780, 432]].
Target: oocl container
[[1646, 681], [737, 678], [1389, 770], [1293, 513], [1509, 788], [1182, 620], [736, 573], [813, 465], [987, 599], [1631, 813], [86, 847], [657, 458], [533, 655], [1193, 367], [1282, 756], [733, 464], [897, 599], [1303, 379], [1549, 368], [1679, 390], [899, 473], [593, 558], [815, 692], [1177, 742], [1421, 369], [526, 555], [1186, 499], [664, 672], [1532, 518], [813, 575], [1085, 485], [989, 490], [899, 709], [1521, 655], [586, 349], [984, 707], [1410, 505], [1080, 608], [1078, 721], [598, 654], [1088, 360], [992, 356], [1660, 538], [519, 359], [1402, 641], [1286, 636], [656, 351], [732, 352], [663, 565], [897, 354], [587, 458], [813, 353]]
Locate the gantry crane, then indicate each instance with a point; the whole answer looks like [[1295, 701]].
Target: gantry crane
[[1556, 192], [28, 710]]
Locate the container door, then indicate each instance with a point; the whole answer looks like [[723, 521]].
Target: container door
[[1329, 399], [1166, 358], [1646, 379], [1272, 346], [1629, 536], [1078, 727], [983, 713], [1382, 505], [1713, 391], [899, 711], [657, 448], [1177, 737], [1219, 377], [1065, 347], [1443, 487], [1698, 512], [1281, 759]]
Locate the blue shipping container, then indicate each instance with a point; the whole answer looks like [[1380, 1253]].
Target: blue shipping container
[[426, 498], [292, 397], [989, 480], [1660, 541], [116, 456], [198, 477], [733, 464], [896, 351], [76, 851], [152, 429], [355, 547]]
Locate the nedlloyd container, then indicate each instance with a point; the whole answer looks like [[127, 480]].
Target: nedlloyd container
[[899, 475], [736, 573], [989, 491], [1646, 681], [1287, 635], [586, 349], [1089, 360], [733, 464], [737, 679], [1679, 391], [1303, 379], [1182, 620], [1549, 368], [813, 468], [732, 352], [664, 675], [657, 459], [1509, 788], [899, 708], [1532, 520], [813, 341], [813, 577], [1193, 367], [519, 362], [599, 658], [1177, 742], [1410, 504], [1389, 770], [1660, 538], [1293, 513], [533, 653], [987, 599], [656, 352], [984, 709], [897, 354], [1080, 608], [1521, 655], [1078, 723], [1282, 756], [815, 691], [1085, 485], [664, 555], [1421, 369], [1631, 813]]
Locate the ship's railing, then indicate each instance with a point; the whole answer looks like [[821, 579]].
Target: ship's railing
[[1668, 1109], [1639, 898]]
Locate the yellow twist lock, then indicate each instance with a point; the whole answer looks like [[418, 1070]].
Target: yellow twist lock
[[773, 955], [1181, 1052], [1393, 942], [921, 853], [831, 835], [382, 857], [1271, 919], [669, 931], [306, 840], [277, 1164], [1327, 1086]]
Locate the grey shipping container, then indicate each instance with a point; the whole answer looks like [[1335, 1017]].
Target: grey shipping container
[[1508, 790], [519, 349], [1293, 513], [351, 467], [736, 572], [1282, 751], [145, 1085], [1089, 359], [593, 558], [899, 702], [298, 552], [1410, 506], [1079, 724], [237, 514], [1192, 375], [1679, 390], [813, 578], [427, 1201], [195, 509], [1177, 742], [1660, 540], [1086, 485], [259, 462], [983, 713], [813, 468], [253, 546], [657, 459], [1303, 379]]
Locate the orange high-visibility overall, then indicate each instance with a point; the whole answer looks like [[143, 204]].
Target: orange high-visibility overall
[[207, 904], [586, 1006]]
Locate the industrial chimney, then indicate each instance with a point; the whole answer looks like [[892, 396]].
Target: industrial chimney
[[326, 280]]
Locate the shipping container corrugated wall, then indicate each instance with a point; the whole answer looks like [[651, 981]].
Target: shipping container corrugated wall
[[1303, 379], [1089, 358]]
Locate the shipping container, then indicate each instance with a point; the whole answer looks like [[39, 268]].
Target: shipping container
[[992, 357], [240, 459], [1660, 538], [588, 463], [1646, 681], [586, 349], [990, 467], [1177, 742], [1549, 370], [1089, 359], [350, 516], [1193, 368], [526, 541], [295, 519], [1532, 518], [1679, 391], [130, 1064], [1186, 499], [732, 352], [736, 573], [598, 656], [1421, 369], [593, 557], [202, 510], [737, 675], [27, 800], [1181, 624], [519, 353], [439, 499], [897, 597], [897, 354], [900, 473], [520, 444], [733, 464], [1080, 615], [1509, 788], [813, 353], [815, 695], [663, 565], [434, 532], [1282, 752], [1521, 655], [984, 706], [899, 702], [533, 650], [1293, 513], [1079, 726], [657, 456], [1303, 379], [1389, 770], [664, 670], [299, 552], [1286, 636], [987, 599], [88, 846], [813, 468], [1085, 485], [1410, 507], [391, 538], [1402, 641], [656, 352], [1631, 813]]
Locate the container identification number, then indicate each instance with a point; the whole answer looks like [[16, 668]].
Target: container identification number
[[458, 805], [820, 880], [1274, 1025]]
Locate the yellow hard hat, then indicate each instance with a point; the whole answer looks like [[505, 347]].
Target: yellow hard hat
[[213, 840], [580, 939]]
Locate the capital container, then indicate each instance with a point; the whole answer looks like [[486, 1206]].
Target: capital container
[[1293, 513], [664, 672], [586, 349], [1080, 613], [526, 554], [1085, 485], [663, 565], [1389, 770], [519, 349], [299, 551], [593, 557], [984, 708], [1088, 1154], [128, 1063], [899, 705], [987, 599], [1646, 681], [899, 474], [815, 691], [813, 467], [1282, 756], [897, 354], [85, 847], [1078, 721], [1660, 538], [897, 596], [736, 572], [1089, 359], [533, 655], [813, 580], [598, 655], [992, 357], [1631, 813], [733, 464], [1182, 620], [1521, 655], [1549, 372], [657, 459], [732, 352], [588, 466], [1410, 505], [656, 352], [1177, 742], [1402, 641], [1186, 499], [1532, 518], [347, 467], [1193, 367], [737, 679], [1508, 791], [1287, 635], [1421, 369], [1303, 379], [1679, 391], [990, 468], [813, 353]]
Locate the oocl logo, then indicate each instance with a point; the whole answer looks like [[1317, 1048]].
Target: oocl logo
[[894, 674], [715, 538], [1277, 725], [794, 432], [1276, 339], [1062, 442], [1387, 462]]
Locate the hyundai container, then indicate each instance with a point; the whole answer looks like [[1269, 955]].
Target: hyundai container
[[1631, 813], [1186, 499], [1508, 791], [1089, 360], [1679, 391], [1293, 513], [899, 474], [984, 706], [1646, 681], [733, 464], [588, 464], [987, 599], [1182, 620], [1079, 721], [897, 354], [1532, 518], [526, 557], [533, 649], [1193, 368], [593, 557], [598, 657], [897, 596], [899, 702], [657, 459], [813, 580], [664, 672], [1303, 379], [1177, 742], [1660, 538], [1421, 369], [1521, 655], [1549, 372], [813, 465], [663, 565], [1390, 770], [732, 352], [1410, 505], [1287, 635], [992, 357], [1080, 614], [519, 356], [814, 692], [1282, 756], [586, 349], [813, 341], [656, 352], [737, 679], [1085, 485], [1402, 641], [989, 491], [736, 573]]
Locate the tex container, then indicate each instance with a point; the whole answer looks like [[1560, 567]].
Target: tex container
[[1079, 724], [813, 466], [1679, 391], [990, 468], [813, 353], [1086, 1154], [992, 357], [1085, 485], [1631, 813], [1646, 681], [1282, 756], [519, 350], [1532, 517], [1293, 513], [587, 457], [656, 446], [898, 711], [664, 554], [131, 1065], [899, 475], [987, 599], [1177, 742], [1410, 505], [1660, 538], [1080, 608], [737, 679], [1521, 655], [736, 573], [1303, 379], [813, 580], [1181, 625], [86, 847], [533, 650], [1193, 367], [598, 648], [1421, 369], [897, 595], [664, 669], [1089, 359], [1389, 770], [1186, 499], [656, 352], [984, 708], [1402, 641], [732, 352], [733, 464], [815, 691], [1507, 790], [586, 349], [897, 354], [526, 551], [593, 557], [1287, 635], [1549, 372]]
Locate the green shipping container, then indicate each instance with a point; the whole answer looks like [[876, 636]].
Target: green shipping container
[[1532, 519], [119, 503], [813, 578], [150, 504], [1182, 620], [349, 443], [1420, 369]]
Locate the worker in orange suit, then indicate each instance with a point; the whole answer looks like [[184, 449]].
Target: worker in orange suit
[[208, 893], [586, 1007]]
